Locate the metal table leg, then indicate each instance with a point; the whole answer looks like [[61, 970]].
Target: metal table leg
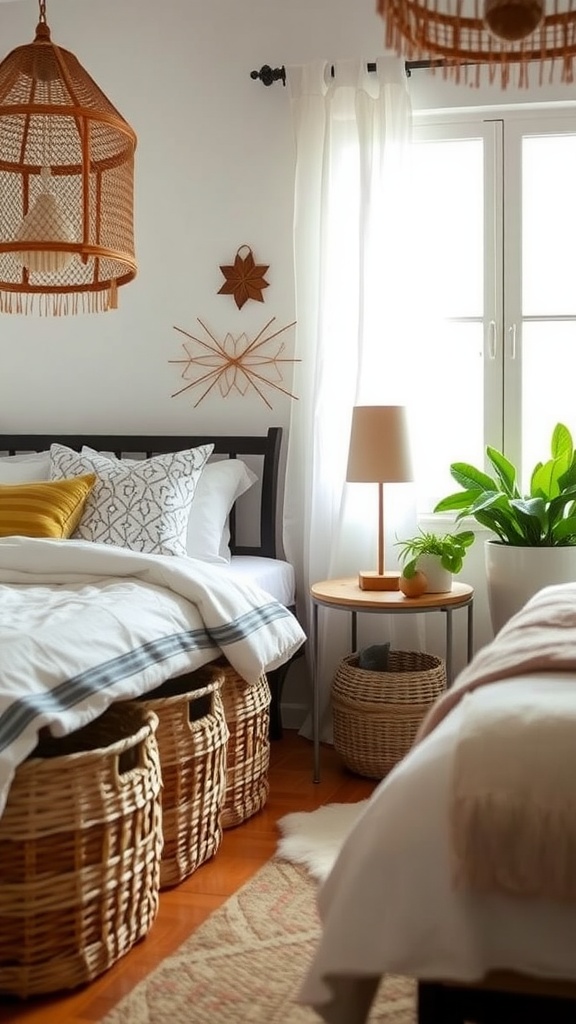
[[448, 612], [315, 694]]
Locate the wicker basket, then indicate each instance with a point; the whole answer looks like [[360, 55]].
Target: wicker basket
[[376, 714], [247, 710], [192, 737], [80, 845]]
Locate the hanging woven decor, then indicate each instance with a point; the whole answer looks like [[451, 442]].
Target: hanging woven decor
[[66, 185], [244, 278], [464, 34]]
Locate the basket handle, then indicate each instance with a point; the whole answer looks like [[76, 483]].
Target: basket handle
[[188, 707], [131, 760]]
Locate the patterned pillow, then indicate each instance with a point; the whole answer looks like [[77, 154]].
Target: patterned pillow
[[144, 506], [220, 484]]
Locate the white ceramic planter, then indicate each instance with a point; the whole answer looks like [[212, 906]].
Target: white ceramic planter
[[514, 574], [439, 579]]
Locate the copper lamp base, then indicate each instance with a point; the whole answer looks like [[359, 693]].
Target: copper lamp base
[[379, 581]]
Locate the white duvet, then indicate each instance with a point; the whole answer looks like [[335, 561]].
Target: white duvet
[[83, 624], [390, 904]]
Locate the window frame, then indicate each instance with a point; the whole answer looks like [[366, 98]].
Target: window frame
[[502, 131]]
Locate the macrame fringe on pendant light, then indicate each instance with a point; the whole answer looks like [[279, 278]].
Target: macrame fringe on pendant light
[[66, 185], [464, 34]]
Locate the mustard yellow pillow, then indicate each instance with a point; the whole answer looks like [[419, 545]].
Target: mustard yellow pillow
[[49, 508]]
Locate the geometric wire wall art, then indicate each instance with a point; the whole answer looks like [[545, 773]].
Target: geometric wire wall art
[[238, 363]]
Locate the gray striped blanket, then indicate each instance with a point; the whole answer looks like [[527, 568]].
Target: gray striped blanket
[[83, 624]]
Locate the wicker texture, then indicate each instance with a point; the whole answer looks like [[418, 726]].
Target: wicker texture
[[78, 245], [376, 714], [459, 35], [247, 710], [192, 737], [80, 845]]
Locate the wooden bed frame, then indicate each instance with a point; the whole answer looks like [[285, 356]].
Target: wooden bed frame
[[502, 998], [266, 446]]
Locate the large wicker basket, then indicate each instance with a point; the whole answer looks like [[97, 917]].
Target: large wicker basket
[[80, 845], [192, 736], [376, 714], [247, 710]]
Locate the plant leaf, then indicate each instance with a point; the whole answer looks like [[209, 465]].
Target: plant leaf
[[459, 500], [565, 531], [471, 478], [561, 445], [505, 471], [466, 538]]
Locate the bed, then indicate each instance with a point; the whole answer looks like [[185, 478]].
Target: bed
[[98, 614], [461, 872]]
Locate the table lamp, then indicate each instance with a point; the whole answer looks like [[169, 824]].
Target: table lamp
[[379, 453]]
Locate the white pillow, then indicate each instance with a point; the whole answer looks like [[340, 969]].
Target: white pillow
[[219, 486], [143, 505], [25, 468]]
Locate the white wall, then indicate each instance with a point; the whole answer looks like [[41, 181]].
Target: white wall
[[214, 170]]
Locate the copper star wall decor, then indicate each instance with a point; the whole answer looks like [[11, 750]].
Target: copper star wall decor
[[233, 364], [244, 279]]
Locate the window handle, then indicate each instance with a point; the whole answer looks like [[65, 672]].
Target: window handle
[[492, 340], [512, 336]]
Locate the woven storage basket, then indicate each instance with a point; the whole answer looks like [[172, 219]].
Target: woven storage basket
[[376, 714], [247, 710], [192, 736], [80, 845]]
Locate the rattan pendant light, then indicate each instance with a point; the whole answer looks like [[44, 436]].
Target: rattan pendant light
[[66, 185], [497, 33]]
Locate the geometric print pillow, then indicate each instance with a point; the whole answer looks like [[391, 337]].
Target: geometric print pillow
[[144, 506], [221, 483]]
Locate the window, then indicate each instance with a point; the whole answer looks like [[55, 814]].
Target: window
[[490, 332]]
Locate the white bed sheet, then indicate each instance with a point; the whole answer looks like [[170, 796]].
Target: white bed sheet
[[389, 905], [273, 575]]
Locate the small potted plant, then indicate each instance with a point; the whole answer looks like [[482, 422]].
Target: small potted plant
[[437, 556]]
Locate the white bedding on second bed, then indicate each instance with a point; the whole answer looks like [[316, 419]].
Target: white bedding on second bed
[[389, 904]]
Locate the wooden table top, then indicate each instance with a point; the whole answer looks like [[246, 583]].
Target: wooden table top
[[347, 593]]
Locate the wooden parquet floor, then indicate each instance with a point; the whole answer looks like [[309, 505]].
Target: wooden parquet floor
[[243, 851]]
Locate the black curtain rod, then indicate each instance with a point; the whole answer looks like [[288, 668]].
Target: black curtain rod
[[268, 75]]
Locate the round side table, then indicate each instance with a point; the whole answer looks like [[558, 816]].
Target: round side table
[[346, 595]]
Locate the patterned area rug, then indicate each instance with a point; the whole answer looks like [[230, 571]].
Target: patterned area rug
[[244, 965]]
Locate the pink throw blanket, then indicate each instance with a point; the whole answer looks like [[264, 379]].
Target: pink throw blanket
[[513, 797], [540, 637]]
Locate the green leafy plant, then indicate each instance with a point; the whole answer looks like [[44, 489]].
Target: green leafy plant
[[545, 517], [450, 548]]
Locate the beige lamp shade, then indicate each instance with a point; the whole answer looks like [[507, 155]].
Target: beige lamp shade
[[66, 185], [379, 445]]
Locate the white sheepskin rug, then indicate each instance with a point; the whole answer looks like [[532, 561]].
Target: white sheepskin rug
[[314, 838]]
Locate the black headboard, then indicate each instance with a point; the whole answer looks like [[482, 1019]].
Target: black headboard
[[265, 445]]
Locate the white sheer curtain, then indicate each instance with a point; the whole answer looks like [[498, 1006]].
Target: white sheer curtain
[[352, 131]]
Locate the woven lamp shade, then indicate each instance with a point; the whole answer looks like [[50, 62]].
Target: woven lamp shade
[[66, 185], [464, 34]]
